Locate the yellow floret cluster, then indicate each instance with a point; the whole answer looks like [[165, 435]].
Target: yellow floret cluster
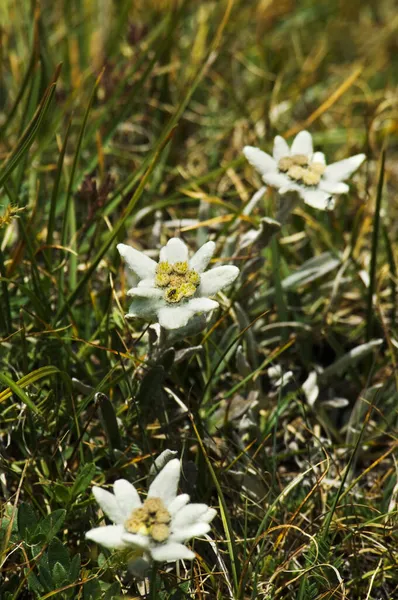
[[151, 519], [301, 169], [177, 280]]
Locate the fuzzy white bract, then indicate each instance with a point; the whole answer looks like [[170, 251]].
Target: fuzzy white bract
[[301, 169], [176, 288], [157, 527]]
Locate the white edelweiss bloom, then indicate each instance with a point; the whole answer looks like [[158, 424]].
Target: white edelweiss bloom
[[176, 288], [157, 527], [301, 169]]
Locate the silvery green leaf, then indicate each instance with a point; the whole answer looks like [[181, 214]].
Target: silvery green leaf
[[259, 237], [310, 388], [284, 379], [157, 229], [150, 390], [202, 233], [359, 410], [139, 567], [229, 247], [251, 266], [234, 408], [250, 482], [351, 358], [244, 323], [311, 270], [255, 199], [242, 364], [178, 223], [160, 462], [166, 359], [82, 387], [187, 353], [336, 403], [286, 203]]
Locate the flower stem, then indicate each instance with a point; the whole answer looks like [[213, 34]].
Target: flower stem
[[152, 582]]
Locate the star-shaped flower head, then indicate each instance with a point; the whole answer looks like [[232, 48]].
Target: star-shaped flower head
[[176, 288], [301, 169], [157, 527]]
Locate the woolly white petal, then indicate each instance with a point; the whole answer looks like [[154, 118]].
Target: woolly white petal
[[145, 292], [302, 144], [165, 484], [174, 317], [126, 496], [109, 536], [209, 515], [343, 169], [174, 251], [149, 282], [171, 552], [189, 515], [134, 539], [137, 261], [201, 305], [319, 157], [292, 187], [260, 160], [333, 187], [281, 148], [202, 257], [109, 505], [216, 279], [278, 180], [178, 503], [318, 199], [186, 533]]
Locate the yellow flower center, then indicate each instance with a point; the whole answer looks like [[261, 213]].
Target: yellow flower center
[[177, 280], [299, 168], [151, 519]]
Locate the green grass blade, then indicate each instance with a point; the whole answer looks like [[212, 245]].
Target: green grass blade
[[18, 391], [375, 241], [30, 132]]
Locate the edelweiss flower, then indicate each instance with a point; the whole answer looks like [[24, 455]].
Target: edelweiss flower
[[301, 169], [175, 289], [158, 526]]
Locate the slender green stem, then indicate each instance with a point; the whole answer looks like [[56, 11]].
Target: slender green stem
[[153, 582], [375, 240]]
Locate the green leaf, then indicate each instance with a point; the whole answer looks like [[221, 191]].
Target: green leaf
[[34, 582], [61, 493], [27, 521], [112, 592], [57, 553], [91, 590], [45, 574], [51, 524], [74, 569], [59, 575], [83, 479]]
